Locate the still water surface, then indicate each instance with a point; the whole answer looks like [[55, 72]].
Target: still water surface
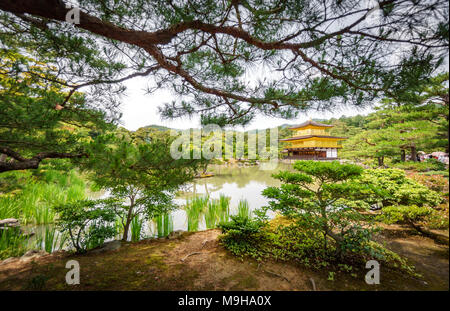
[[236, 182], [246, 182]]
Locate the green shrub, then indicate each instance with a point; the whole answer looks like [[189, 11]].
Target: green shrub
[[241, 235], [88, 223], [12, 243], [425, 166], [290, 242], [405, 214], [324, 198], [434, 182], [397, 189]]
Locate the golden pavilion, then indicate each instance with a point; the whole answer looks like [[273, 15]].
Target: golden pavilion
[[311, 142]]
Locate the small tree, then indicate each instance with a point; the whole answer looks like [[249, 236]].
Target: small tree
[[87, 222], [322, 197], [143, 177]]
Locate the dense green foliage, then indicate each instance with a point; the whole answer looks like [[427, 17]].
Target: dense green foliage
[[12, 243], [88, 222], [399, 128], [31, 195], [397, 189], [140, 175], [405, 214], [314, 55], [36, 123], [323, 222], [320, 197], [281, 239]]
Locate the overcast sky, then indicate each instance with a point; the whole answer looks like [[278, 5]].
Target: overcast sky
[[140, 109]]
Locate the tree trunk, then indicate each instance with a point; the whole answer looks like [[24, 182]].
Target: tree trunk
[[380, 161], [413, 153], [439, 238], [403, 155], [126, 228]]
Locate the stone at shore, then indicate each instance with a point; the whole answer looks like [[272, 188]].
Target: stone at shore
[[33, 254], [9, 222], [108, 246], [175, 234]]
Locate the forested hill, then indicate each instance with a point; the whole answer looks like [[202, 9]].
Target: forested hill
[[396, 130]]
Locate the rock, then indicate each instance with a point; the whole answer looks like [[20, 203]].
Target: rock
[[32, 254], [175, 234], [9, 222], [376, 206], [108, 246]]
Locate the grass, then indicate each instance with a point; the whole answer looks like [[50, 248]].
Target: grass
[[136, 229], [218, 211], [51, 240], [164, 225], [211, 214], [213, 211], [12, 243], [9, 207], [118, 226], [244, 209], [30, 197], [32, 203], [224, 207], [195, 207]]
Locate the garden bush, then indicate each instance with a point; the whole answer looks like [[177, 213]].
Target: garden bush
[[88, 222], [425, 166], [397, 189]]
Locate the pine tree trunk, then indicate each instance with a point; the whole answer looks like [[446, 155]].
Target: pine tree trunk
[[413, 153], [403, 155], [380, 161]]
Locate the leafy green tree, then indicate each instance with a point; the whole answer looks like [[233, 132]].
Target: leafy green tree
[[322, 197], [33, 123], [142, 177], [315, 55], [89, 222], [430, 102], [419, 122]]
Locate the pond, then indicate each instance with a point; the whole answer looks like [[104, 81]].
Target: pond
[[233, 181], [236, 182]]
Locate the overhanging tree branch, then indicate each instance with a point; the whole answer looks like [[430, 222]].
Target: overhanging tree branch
[[21, 163]]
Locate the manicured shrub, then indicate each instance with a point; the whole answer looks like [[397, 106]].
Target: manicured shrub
[[324, 199], [397, 189], [436, 183], [415, 217], [241, 235], [425, 166], [409, 214]]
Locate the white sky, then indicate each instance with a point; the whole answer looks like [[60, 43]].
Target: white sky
[[140, 109]]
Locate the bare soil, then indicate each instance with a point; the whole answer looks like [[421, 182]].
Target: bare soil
[[196, 261]]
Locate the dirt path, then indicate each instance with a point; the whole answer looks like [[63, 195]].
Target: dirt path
[[195, 261]]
